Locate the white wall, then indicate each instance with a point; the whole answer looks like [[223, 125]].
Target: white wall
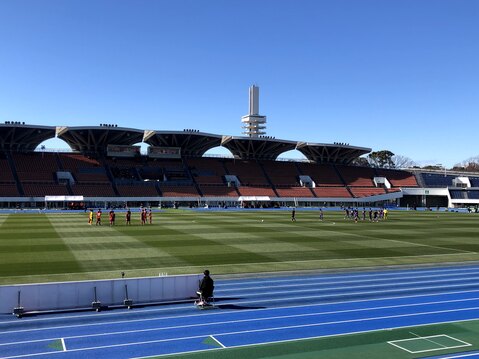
[[76, 295]]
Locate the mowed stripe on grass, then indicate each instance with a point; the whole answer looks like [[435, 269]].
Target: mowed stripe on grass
[[103, 248], [39, 247], [30, 246]]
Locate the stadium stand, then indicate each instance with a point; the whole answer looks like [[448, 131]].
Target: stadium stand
[[207, 170], [137, 190], [93, 190], [294, 192], [83, 168], [164, 170], [392, 190], [218, 191], [130, 169], [473, 194], [332, 192], [366, 191], [34, 167], [458, 194], [5, 171], [282, 174], [107, 167], [285, 179], [474, 181], [248, 172], [256, 191], [322, 175], [178, 191], [437, 180], [398, 178], [45, 189], [357, 176], [8, 190]]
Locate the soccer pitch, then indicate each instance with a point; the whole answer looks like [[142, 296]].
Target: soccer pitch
[[62, 246]]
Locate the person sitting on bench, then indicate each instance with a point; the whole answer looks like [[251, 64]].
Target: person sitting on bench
[[206, 288]]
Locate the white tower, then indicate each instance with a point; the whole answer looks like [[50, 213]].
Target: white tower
[[254, 125]]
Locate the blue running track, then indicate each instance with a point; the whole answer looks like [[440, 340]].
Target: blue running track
[[254, 311]]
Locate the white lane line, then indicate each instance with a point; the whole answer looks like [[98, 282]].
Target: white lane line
[[267, 293], [325, 281], [262, 330], [360, 285], [162, 310], [456, 356], [326, 276], [216, 340], [263, 309], [63, 345], [256, 319]]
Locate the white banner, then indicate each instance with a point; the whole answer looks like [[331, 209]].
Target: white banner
[[63, 198]]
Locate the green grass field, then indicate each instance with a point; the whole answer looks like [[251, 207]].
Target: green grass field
[[57, 247], [371, 345]]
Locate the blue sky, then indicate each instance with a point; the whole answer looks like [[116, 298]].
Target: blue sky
[[401, 75]]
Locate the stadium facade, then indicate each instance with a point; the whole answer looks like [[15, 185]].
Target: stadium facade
[[105, 167]]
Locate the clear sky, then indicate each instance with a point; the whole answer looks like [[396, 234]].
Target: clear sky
[[401, 75]]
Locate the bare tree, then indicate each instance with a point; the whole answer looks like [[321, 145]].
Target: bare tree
[[403, 162], [469, 165]]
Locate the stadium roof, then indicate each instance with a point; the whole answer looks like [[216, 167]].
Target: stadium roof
[[331, 153], [20, 137], [96, 139], [260, 148], [193, 143]]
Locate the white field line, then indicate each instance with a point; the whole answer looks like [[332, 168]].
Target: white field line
[[427, 245], [242, 302], [228, 266], [63, 344], [260, 319], [412, 243], [436, 336], [254, 331], [400, 347], [327, 336], [429, 339]]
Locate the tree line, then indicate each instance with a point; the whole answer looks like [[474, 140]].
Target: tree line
[[389, 160]]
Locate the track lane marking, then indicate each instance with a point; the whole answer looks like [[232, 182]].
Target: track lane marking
[[292, 316], [222, 285], [217, 341], [266, 330], [255, 310]]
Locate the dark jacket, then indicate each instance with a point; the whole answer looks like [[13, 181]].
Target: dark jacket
[[207, 286]]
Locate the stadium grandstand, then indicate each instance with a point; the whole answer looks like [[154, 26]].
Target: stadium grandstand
[[105, 167]]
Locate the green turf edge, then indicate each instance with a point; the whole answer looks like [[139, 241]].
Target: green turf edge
[[371, 345]]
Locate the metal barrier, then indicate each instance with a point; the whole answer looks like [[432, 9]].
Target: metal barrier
[[83, 294]]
